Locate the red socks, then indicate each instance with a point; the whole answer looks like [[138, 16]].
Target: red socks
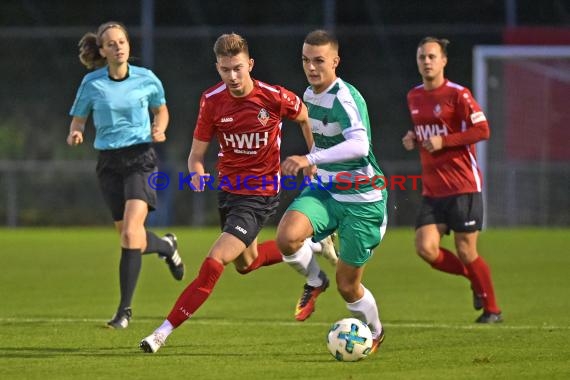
[[267, 254], [477, 272], [196, 293], [199, 290], [480, 276], [449, 263]]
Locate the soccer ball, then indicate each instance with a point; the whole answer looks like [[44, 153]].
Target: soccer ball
[[349, 340]]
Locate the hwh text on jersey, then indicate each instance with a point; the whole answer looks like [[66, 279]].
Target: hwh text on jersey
[[424, 132], [246, 140]]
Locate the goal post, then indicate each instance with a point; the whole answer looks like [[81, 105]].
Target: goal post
[[524, 91]]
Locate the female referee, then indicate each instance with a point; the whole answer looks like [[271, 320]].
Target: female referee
[[119, 95]]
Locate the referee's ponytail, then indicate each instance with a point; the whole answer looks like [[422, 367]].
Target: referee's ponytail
[[89, 52]]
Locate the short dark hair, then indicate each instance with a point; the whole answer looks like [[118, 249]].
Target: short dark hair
[[321, 37], [442, 42]]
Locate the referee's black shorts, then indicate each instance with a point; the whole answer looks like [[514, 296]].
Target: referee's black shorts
[[123, 174], [245, 215], [461, 213]]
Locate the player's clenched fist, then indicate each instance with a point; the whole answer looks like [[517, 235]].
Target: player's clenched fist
[[409, 140]]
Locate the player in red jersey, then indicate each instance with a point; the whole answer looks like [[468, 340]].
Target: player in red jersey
[[246, 117], [447, 124]]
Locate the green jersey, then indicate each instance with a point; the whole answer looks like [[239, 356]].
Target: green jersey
[[334, 113]]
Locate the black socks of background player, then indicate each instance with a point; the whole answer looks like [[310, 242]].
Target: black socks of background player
[[129, 269], [154, 244]]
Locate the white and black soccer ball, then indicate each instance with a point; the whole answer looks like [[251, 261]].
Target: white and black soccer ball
[[349, 340]]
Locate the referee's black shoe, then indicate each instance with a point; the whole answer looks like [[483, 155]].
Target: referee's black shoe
[[121, 319], [174, 261]]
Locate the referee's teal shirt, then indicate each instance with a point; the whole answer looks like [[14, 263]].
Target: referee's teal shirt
[[120, 108]]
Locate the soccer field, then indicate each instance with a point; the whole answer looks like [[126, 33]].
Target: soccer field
[[59, 286]]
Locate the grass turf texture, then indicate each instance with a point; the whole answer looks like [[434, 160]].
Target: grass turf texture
[[59, 286]]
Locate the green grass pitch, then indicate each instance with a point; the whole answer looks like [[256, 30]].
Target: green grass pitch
[[59, 286]]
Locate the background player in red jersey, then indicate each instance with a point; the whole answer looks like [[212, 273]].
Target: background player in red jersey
[[447, 124], [246, 116]]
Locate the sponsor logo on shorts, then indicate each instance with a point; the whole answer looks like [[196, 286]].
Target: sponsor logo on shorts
[[470, 223], [241, 229]]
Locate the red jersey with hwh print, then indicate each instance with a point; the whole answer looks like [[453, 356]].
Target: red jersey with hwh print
[[451, 112], [248, 130]]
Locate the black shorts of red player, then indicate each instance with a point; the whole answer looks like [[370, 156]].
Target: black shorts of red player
[[461, 213], [123, 174], [245, 215]]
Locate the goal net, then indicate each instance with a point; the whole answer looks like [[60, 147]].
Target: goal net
[[525, 93]]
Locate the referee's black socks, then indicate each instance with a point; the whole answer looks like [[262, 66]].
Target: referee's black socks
[[154, 244], [129, 269]]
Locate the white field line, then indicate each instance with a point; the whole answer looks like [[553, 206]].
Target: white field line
[[219, 322]]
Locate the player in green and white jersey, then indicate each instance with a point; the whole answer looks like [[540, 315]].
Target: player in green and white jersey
[[348, 194]]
